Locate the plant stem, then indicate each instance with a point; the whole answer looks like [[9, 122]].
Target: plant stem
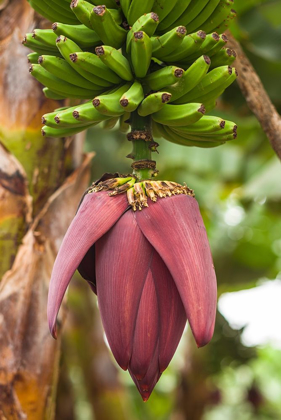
[[141, 137]]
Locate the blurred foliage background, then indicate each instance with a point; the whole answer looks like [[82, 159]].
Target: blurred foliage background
[[238, 187]]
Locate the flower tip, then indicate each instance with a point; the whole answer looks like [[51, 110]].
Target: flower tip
[[53, 330]]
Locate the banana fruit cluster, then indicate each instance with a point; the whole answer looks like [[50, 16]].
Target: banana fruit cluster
[[164, 59]]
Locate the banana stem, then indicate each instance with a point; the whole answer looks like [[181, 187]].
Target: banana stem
[[143, 145]]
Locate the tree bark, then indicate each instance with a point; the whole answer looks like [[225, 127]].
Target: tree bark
[[256, 96]]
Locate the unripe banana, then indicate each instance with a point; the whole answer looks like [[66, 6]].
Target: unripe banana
[[131, 99], [209, 125], [59, 85], [82, 10], [91, 63], [87, 113], [141, 52], [190, 45], [204, 15], [210, 42], [137, 9], [106, 27], [218, 16], [124, 124], [66, 119], [163, 45], [147, 23], [177, 115], [224, 25], [226, 56], [63, 132], [213, 80], [110, 123], [163, 77], [80, 34], [190, 78], [53, 12], [109, 104], [50, 94], [178, 10], [163, 8], [67, 47], [113, 59], [61, 69], [46, 37], [33, 58], [153, 103], [193, 10], [30, 42]]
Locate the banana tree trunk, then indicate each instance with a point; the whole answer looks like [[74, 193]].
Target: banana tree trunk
[[37, 183]]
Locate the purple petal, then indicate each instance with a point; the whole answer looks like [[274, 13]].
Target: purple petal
[[147, 384], [96, 215], [175, 228], [171, 311], [146, 330], [123, 257]]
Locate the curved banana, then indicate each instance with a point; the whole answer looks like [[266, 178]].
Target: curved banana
[[106, 27], [141, 52], [153, 103], [113, 59], [166, 76], [131, 99], [177, 115], [163, 45], [137, 9], [80, 34], [109, 104], [146, 23]]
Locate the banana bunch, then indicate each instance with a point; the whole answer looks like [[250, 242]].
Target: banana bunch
[[164, 59]]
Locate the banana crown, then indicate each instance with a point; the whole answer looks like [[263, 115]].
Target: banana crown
[[167, 60]]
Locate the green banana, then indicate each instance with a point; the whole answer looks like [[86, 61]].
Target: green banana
[[110, 4], [33, 58], [163, 45], [52, 12], [109, 104], [190, 45], [153, 103], [82, 10], [30, 42], [208, 138], [218, 16], [110, 123], [212, 80], [190, 78], [209, 125], [115, 61], [106, 27], [205, 14], [160, 130], [125, 5], [87, 113], [141, 52], [147, 23], [179, 8], [80, 34], [208, 98], [210, 42], [67, 47], [224, 25], [223, 57], [218, 46], [123, 120], [162, 8], [163, 77], [177, 115], [91, 63], [63, 132], [66, 119], [49, 119], [59, 85], [61, 69], [46, 37], [193, 10], [138, 8], [131, 99], [52, 95]]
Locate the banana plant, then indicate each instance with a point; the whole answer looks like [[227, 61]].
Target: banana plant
[[155, 68]]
